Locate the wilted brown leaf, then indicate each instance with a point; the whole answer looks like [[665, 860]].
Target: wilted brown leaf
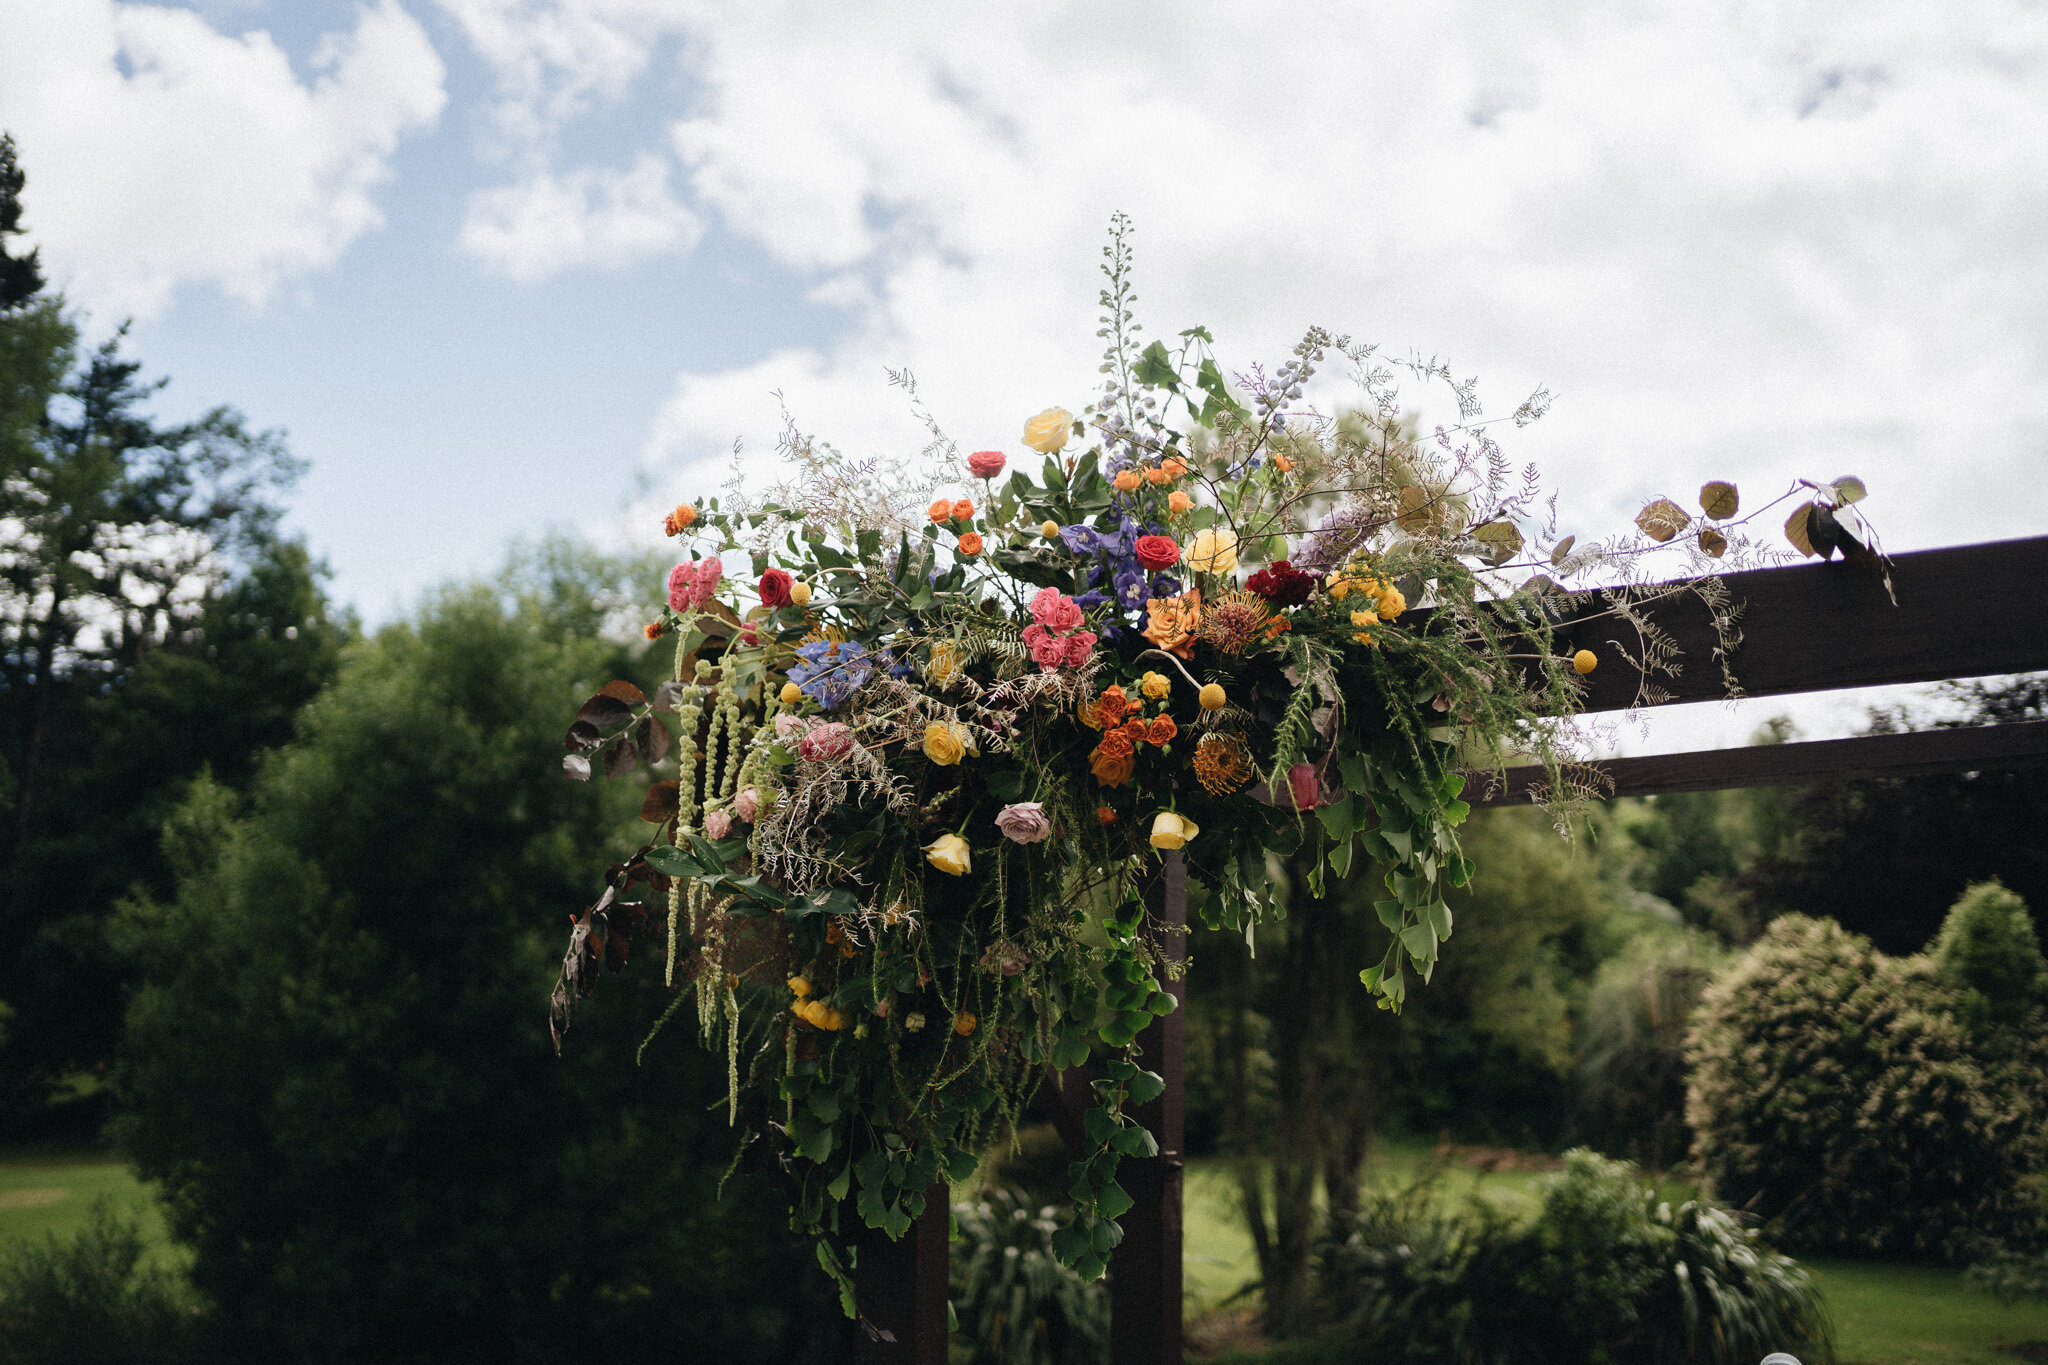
[[1719, 500], [1847, 489], [621, 690], [1799, 528], [1415, 511], [1502, 541], [1662, 520], [1561, 549], [661, 803], [1713, 543]]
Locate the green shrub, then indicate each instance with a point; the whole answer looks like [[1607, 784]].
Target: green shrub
[[89, 1299], [1834, 1093], [1629, 1046], [1016, 1304], [1607, 1274], [1986, 953]]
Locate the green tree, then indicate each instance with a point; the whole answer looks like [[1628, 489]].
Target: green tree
[[21, 277], [339, 1063]]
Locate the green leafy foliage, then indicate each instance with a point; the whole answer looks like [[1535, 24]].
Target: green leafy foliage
[[94, 1296], [1607, 1272], [1016, 1301], [1834, 1092]]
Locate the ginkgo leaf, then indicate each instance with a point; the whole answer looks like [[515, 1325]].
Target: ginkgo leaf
[[1561, 549], [1799, 529], [1662, 520], [1719, 500], [1713, 543], [1846, 490]]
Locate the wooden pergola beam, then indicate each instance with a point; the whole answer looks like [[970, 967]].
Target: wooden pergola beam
[[2023, 744]]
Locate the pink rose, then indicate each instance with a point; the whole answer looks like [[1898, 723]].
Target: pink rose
[[1045, 603], [1034, 636], [1078, 648], [985, 464], [1304, 787], [1049, 653], [718, 824], [828, 743], [682, 582], [1024, 822], [787, 726], [709, 571], [747, 804]]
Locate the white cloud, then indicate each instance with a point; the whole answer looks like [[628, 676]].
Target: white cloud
[[593, 216], [163, 153]]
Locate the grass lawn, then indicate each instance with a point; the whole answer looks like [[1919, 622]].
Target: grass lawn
[[46, 1193], [1884, 1314]]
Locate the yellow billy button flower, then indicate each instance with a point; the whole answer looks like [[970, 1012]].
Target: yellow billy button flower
[[800, 594], [1211, 696], [941, 745], [1171, 830], [1048, 432], [1155, 685], [1213, 550], [1050, 530], [791, 694], [949, 854], [1585, 661], [799, 986]]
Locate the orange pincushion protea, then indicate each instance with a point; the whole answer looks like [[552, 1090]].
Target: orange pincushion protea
[[1175, 622], [1223, 763]]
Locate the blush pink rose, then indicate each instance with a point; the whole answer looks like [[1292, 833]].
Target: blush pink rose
[[788, 727], [709, 571], [828, 743], [747, 805], [985, 464], [718, 824], [682, 585]]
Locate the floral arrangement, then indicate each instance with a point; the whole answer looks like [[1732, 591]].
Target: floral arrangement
[[931, 735]]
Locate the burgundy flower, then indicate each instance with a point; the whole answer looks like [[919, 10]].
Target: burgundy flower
[[774, 588], [1283, 585]]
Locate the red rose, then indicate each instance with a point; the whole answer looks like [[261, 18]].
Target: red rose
[[1158, 552], [774, 588]]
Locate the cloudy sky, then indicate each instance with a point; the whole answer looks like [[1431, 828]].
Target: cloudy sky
[[504, 265]]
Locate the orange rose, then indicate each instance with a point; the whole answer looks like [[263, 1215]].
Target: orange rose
[[1117, 744], [963, 510], [1127, 481], [1155, 476], [1138, 731], [1174, 469], [1174, 622], [940, 511], [1163, 730], [970, 544], [1178, 502], [1110, 770], [1111, 705]]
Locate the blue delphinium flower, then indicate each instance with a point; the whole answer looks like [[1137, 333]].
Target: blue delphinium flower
[[832, 670]]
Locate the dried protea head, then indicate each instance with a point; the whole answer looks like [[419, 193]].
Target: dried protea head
[[1236, 621], [1223, 763]]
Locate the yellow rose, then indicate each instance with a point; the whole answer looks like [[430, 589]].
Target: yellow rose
[[1155, 685], [941, 745], [945, 661], [1170, 830], [1211, 696], [1047, 433], [799, 986], [1365, 617], [800, 594], [949, 854], [1213, 551], [791, 694], [1392, 603]]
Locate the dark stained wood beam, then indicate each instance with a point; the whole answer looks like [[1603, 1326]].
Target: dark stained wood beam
[[1966, 612], [2022, 744]]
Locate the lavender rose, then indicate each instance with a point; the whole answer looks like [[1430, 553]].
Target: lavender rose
[[1024, 822]]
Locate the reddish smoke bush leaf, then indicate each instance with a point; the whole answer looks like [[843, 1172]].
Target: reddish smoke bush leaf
[[653, 737], [619, 760], [661, 803], [620, 690]]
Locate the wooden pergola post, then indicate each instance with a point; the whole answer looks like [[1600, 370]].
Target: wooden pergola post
[[1971, 611]]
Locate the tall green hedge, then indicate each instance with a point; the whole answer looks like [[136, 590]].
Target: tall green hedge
[[1850, 1098]]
